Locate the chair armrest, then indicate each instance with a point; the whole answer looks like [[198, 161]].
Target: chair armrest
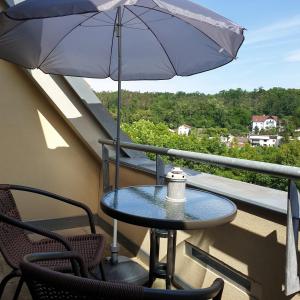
[[40, 231], [213, 292], [45, 256], [53, 196]]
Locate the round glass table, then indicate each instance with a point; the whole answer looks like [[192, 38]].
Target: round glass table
[[147, 206]]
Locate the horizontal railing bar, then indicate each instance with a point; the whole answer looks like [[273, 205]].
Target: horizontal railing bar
[[230, 162]]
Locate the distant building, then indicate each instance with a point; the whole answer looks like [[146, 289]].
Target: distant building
[[263, 122], [184, 129], [227, 140], [265, 140]]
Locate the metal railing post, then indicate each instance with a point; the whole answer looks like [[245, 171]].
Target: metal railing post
[[105, 169], [292, 282], [160, 170]]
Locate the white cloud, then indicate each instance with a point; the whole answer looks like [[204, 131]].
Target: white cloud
[[288, 41], [293, 56], [275, 31]]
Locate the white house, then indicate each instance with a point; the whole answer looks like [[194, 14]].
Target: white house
[[264, 122], [265, 140], [227, 140], [184, 129]]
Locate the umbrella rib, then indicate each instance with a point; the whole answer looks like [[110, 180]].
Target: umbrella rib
[[145, 12], [65, 35], [165, 51], [167, 13], [106, 14], [112, 44], [95, 26]]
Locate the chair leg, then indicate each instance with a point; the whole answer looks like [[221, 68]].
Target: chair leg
[[6, 279], [219, 296], [98, 273], [18, 289], [102, 271]]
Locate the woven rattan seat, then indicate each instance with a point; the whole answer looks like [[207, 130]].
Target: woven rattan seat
[[15, 243], [49, 285]]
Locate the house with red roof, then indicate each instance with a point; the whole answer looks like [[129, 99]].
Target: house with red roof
[[263, 122]]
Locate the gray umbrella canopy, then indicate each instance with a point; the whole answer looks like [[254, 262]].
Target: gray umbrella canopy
[[160, 38]]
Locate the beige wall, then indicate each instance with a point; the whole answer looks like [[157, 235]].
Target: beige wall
[[38, 149]]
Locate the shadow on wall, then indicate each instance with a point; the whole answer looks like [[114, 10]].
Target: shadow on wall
[[263, 257]]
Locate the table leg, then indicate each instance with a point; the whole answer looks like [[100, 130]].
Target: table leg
[[162, 270], [171, 255], [153, 256], [157, 241]]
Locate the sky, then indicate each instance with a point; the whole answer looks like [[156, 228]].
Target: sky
[[269, 57]]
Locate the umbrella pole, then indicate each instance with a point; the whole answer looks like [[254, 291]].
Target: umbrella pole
[[114, 246], [121, 268], [119, 36]]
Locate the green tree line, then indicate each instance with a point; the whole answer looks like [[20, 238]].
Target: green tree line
[[230, 109], [146, 132]]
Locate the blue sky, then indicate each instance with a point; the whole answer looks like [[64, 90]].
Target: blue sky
[[270, 55]]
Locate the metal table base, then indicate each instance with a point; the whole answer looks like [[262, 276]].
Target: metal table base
[[126, 270], [156, 268]]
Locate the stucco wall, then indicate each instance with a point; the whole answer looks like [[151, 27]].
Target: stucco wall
[[39, 149]]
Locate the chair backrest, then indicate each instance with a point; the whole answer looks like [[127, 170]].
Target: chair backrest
[[12, 239], [47, 284]]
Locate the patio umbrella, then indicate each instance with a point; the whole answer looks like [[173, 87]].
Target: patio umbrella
[[120, 39]]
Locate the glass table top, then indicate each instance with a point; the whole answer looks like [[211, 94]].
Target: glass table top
[[147, 206]]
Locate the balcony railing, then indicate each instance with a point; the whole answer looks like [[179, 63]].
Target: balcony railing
[[292, 281]]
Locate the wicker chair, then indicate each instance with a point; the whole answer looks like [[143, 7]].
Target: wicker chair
[[14, 242], [47, 284]]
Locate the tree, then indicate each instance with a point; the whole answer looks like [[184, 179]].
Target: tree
[[146, 132], [227, 109]]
